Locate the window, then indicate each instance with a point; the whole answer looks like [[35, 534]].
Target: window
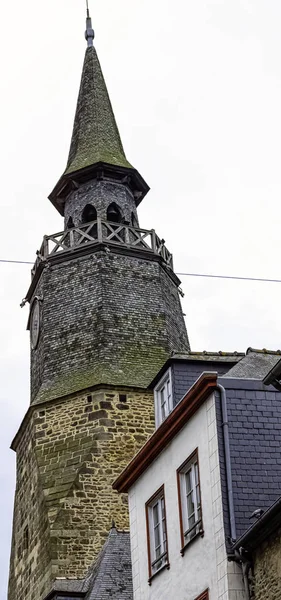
[[204, 596], [26, 538], [134, 220], [156, 533], [113, 213], [163, 398], [89, 214], [189, 500]]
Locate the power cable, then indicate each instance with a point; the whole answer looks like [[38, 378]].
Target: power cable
[[206, 275], [16, 262], [229, 277]]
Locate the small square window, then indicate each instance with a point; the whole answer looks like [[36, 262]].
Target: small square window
[[156, 533], [163, 398], [189, 500], [26, 538], [122, 397]]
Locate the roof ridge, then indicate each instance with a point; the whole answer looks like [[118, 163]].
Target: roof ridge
[[262, 351], [208, 353]]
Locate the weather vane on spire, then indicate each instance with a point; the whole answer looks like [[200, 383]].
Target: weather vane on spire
[[89, 33]]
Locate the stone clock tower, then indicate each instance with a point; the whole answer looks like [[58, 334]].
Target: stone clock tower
[[104, 316]]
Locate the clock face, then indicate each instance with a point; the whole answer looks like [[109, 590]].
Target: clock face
[[35, 324]]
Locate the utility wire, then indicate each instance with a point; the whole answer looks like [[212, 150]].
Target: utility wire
[[16, 262], [264, 280], [229, 277]]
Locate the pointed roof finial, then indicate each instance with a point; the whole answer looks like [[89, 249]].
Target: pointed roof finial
[[89, 33]]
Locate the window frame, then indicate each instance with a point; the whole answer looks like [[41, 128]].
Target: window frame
[[183, 510], [149, 505], [167, 377], [203, 596]]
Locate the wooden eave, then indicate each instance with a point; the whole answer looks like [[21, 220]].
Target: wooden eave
[[69, 181], [181, 414]]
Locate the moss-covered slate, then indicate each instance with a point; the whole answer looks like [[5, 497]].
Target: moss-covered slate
[[95, 135]]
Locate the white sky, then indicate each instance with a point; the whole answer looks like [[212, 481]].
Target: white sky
[[196, 89]]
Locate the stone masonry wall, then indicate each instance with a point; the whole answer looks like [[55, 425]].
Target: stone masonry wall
[[31, 533], [267, 569], [67, 458], [106, 319], [100, 194]]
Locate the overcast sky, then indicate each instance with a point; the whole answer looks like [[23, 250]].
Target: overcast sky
[[196, 90]]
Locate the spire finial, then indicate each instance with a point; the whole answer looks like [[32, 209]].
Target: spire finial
[[89, 33]]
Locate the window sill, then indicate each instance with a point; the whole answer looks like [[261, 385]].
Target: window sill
[[199, 534], [167, 566]]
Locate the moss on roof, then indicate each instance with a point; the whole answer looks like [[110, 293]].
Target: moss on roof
[[95, 135]]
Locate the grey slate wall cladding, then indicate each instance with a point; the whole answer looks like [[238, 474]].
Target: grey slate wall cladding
[[107, 318], [254, 415], [100, 193], [184, 374]]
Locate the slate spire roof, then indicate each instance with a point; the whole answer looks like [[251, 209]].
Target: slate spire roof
[[95, 135], [96, 143]]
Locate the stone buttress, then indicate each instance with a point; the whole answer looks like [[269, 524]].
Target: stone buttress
[[104, 316]]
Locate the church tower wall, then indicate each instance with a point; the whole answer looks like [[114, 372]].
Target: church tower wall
[[106, 318], [69, 453], [100, 195], [105, 315], [30, 562]]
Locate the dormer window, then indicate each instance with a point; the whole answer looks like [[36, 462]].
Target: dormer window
[[163, 398]]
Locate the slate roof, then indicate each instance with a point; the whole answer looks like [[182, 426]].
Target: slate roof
[[261, 529], [96, 142], [95, 135], [274, 376], [254, 426], [209, 356], [110, 576], [225, 358], [255, 365]]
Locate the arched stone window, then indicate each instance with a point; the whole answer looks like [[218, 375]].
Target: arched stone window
[[89, 214], [113, 213]]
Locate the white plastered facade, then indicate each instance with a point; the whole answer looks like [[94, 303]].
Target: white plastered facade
[[204, 564]]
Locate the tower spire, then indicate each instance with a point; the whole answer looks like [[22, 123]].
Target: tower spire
[[95, 142], [89, 33]]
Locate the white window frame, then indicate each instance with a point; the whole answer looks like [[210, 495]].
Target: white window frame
[[163, 398], [157, 533], [190, 505]]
